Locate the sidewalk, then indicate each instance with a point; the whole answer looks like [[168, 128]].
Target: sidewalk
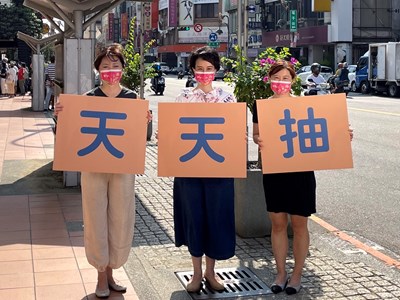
[[41, 239], [41, 244]]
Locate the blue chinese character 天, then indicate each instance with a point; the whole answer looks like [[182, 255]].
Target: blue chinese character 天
[[312, 133], [102, 132], [201, 137]]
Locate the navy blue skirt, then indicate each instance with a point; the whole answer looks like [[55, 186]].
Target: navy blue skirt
[[204, 216]]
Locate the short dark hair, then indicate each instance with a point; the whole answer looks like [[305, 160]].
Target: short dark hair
[[52, 59], [113, 52], [280, 65], [207, 53]]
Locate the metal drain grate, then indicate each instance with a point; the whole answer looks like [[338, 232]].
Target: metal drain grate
[[238, 282]]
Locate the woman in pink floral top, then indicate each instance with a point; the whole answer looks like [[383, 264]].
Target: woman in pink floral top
[[204, 207]]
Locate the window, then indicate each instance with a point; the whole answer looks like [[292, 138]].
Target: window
[[206, 10]]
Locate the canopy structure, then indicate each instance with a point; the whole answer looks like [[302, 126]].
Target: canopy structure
[[77, 14]]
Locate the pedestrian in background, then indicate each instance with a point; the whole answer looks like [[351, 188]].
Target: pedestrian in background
[[108, 199], [204, 207], [50, 75], [287, 195], [23, 74], [3, 75], [11, 78]]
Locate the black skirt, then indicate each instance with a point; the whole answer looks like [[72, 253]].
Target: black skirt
[[292, 193]]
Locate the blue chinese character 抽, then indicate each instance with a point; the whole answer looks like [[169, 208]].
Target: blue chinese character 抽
[[102, 132], [201, 137], [312, 133]]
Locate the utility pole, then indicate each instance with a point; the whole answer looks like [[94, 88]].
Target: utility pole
[[240, 25], [141, 31], [245, 28]]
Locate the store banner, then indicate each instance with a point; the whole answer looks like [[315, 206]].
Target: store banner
[[173, 20], [304, 133], [101, 134], [147, 16], [186, 12], [202, 139], [205, 1], [110, 27], [124, 26]]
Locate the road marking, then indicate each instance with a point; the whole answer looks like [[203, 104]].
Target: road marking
[[344, 236], [376, 111]]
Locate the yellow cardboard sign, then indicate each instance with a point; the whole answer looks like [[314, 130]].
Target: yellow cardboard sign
[[202, 139], [304, 133], [101, 134]]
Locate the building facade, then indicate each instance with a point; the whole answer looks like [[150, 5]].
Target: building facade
[[325, 31]]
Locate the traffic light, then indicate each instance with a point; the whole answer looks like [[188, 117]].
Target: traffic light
[[183, 28]]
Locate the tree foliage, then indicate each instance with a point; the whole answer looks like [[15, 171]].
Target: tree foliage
[[131, 76], [17, 17]]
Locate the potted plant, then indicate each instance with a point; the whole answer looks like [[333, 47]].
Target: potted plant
[[250, 83]]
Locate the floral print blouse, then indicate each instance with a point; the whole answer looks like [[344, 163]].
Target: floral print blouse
[[197, 95]]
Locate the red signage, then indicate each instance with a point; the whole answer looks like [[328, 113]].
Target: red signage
[[198, 27], [124, 26], [110, 26]]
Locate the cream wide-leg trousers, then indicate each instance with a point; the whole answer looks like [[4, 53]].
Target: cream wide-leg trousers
[[108, 202]]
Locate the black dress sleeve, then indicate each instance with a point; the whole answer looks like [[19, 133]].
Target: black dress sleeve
[[255, 116]]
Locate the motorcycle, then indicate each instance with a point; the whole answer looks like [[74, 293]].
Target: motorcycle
[[339, 87], [191, 82], [158, 84], [181, 74], [314, 89]]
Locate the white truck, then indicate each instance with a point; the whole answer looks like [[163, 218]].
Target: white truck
[[384, 68]]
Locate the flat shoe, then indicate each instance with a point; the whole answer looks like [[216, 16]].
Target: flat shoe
[[117, 288], [102, 294], [277, 288], [215, 285], [291, 290]]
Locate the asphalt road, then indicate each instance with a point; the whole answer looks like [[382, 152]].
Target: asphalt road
[[363, 201]]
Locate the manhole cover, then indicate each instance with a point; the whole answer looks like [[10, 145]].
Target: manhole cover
[[239, 282]]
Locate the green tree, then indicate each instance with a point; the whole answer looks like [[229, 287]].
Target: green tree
[[131, 76], [17, 17]]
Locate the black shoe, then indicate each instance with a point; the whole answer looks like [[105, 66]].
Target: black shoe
[[277, 288], [291, 290]]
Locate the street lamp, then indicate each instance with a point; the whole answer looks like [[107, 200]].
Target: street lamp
[[219, 31]]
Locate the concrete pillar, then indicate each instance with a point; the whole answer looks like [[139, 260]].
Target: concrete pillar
[[78, 22], [38, 82], [343, 53], [315, 54], [396, 20]]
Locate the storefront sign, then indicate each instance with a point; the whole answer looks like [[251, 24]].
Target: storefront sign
[[186, 12], [173, 20], [304, 36], [163, 4]]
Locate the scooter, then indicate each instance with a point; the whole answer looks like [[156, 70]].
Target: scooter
[[314, 89], [191, 82], [340, 87], [181, 74], [158, 84]]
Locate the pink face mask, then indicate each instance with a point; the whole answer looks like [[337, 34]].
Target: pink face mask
[[111, 76], [204, 78], [281, 87]]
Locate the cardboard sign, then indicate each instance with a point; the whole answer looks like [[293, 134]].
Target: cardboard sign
[[304, 133], [101, 134], [202, 139]]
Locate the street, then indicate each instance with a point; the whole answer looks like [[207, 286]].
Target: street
[[363, 201]]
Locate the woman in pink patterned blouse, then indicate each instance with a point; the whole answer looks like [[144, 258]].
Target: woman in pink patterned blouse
[[204, 207]]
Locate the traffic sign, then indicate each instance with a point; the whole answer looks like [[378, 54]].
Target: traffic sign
[[293, 20], [213, 37], [198, 27], [213, 44]]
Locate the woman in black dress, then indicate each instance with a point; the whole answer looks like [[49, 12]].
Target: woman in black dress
[[287, 194]]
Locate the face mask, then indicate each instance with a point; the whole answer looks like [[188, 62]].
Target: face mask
[[204, 77], [111, 76], [281, 87]]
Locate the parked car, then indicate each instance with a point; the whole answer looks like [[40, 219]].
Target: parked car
[[304, 71], [220, 74], [352, 77]]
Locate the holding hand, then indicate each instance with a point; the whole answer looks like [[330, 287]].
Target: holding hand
[[58, 108]]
